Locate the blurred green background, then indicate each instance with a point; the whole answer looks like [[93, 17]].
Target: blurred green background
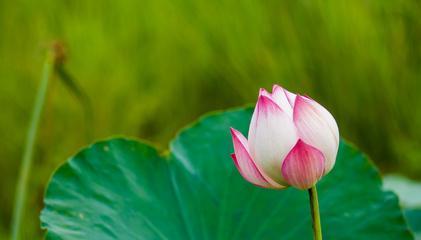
[[151, 67]]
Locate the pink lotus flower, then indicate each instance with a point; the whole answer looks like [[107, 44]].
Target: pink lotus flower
[[292, 140]]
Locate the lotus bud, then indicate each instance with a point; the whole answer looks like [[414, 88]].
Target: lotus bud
[[292, 141]]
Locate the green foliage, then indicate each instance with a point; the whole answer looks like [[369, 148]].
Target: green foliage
[[149, 67], [123, 189], [413, 217], [409, 193]]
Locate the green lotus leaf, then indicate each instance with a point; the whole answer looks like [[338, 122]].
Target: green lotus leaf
[[125, 189]]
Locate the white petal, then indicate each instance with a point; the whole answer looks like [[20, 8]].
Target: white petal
[[291, 97], [317, 127], [272, 135], [280, 97]]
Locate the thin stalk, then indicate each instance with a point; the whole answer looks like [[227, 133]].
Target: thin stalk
[[70, 82], [315, 214], [22, 185]]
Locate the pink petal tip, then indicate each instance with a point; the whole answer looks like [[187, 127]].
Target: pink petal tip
[[303, 166], [244, 162]]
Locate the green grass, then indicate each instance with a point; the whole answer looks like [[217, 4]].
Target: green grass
[[150, 67]]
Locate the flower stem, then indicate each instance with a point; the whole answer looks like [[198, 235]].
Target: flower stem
[[22, 185], [315, 214]]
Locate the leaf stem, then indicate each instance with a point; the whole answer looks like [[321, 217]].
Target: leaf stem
[[315, 214], [22, 185]]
